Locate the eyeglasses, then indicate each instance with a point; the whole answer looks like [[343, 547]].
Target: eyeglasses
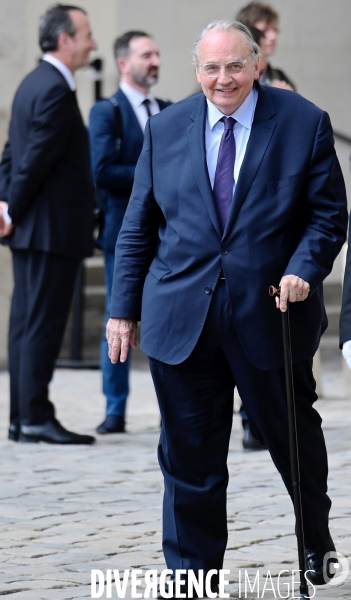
[[232, 68]]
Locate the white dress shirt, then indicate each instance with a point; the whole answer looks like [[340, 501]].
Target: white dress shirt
[[71, 83], [136, 99], [62, 68], [242, 128]]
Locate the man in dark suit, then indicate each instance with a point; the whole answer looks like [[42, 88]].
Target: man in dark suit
[[46, 219], [195, 262], [116, 128]]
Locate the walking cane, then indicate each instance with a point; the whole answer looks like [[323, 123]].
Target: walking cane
[[293, 445]]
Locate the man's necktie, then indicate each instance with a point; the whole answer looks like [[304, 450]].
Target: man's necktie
[[146, 103], [224, 176]]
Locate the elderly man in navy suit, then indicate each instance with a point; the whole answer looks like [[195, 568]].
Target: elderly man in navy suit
[[236, 188], [116, 128], [46, 218]]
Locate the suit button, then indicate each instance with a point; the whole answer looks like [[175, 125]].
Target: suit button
[[208, 290], [224, 251]]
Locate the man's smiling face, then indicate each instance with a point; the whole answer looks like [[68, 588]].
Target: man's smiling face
[[226, 92]]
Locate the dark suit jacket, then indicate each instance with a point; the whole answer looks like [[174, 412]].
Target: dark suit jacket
[[45, 173], [113, 161], [345, 316], [288, 217]]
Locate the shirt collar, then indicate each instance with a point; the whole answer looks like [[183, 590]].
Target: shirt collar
[[243, 115], [62, 68], [135, 97]]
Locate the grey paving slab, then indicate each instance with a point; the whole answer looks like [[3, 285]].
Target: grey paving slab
[[67, 510]]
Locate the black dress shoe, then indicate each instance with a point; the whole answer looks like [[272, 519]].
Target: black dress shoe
[[14, 432], [249, 441], [315, 563], [52, 432], [112, 424]]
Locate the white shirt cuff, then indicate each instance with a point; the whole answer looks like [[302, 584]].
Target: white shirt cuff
[[5, 215], [346, 351]]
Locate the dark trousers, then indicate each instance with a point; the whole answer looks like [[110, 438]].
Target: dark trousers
[[43, 290], [196, 403]]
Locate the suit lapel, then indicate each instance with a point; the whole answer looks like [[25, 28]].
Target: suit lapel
[[196, 135], [131, 121], [260, 136]]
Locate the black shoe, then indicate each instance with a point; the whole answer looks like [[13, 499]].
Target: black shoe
[[184, 589], [320, 573], [249, 441], [14, 432], [112, 424], [52, 432]]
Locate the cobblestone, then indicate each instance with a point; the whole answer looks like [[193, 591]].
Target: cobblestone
[[67, 510]]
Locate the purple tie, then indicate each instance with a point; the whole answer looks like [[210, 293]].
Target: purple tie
[[224, 176]]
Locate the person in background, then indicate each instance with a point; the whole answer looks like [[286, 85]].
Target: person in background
[[46, 218], [116, 130], [265, 18], [261, 41]]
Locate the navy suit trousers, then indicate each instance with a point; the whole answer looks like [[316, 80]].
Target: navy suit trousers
[[196, 404]]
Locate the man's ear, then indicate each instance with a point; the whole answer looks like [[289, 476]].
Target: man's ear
[[257, 69], [62, 40], [121, 64], [198, 76]]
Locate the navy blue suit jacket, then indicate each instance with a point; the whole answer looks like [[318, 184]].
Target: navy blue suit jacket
[[114, 161], [288, 217], [45, 171]]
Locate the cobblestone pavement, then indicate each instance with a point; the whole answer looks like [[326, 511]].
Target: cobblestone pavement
[[67, 510]]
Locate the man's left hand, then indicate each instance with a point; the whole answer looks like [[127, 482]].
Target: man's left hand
[[292, 289]]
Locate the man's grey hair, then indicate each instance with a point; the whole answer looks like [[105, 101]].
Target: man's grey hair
[[56, 20], [226, 25]]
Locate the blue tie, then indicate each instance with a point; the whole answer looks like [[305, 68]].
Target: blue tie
[[224, 176]]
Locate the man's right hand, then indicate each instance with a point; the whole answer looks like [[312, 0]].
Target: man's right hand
[[5, 227], [119, 334]]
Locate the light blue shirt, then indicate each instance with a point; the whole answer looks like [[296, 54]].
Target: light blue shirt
[[242, 128]]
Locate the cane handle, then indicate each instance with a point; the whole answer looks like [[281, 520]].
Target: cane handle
[[273, 291]]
